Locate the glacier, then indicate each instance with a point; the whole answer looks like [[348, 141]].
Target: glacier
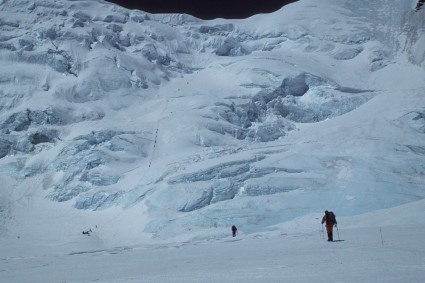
[[187, 124]]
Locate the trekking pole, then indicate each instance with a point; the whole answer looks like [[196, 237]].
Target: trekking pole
[[323, 232], [338, 232]]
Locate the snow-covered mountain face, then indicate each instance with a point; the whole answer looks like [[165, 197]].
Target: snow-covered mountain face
[[188, 126]]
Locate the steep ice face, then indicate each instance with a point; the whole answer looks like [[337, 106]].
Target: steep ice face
[[255, 121], [395, 24]]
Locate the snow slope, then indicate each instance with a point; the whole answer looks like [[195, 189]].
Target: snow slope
[[159, 129]]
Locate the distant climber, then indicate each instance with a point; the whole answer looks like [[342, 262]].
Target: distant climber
[[330, 220], [234, 230]]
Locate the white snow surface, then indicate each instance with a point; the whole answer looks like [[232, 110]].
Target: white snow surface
[[157, 133]]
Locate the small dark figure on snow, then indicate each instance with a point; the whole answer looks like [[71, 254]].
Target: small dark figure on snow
[[234, 230], [330, 220]]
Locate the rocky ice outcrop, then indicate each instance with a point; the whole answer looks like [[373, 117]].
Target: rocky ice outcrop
[[23, 131], [231, 47], [305, 98], [414, 120], [228, 180]]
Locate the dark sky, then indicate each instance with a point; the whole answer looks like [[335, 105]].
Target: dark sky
[[206, 9]]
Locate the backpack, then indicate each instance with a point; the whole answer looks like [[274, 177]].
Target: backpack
[[332, 218]]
